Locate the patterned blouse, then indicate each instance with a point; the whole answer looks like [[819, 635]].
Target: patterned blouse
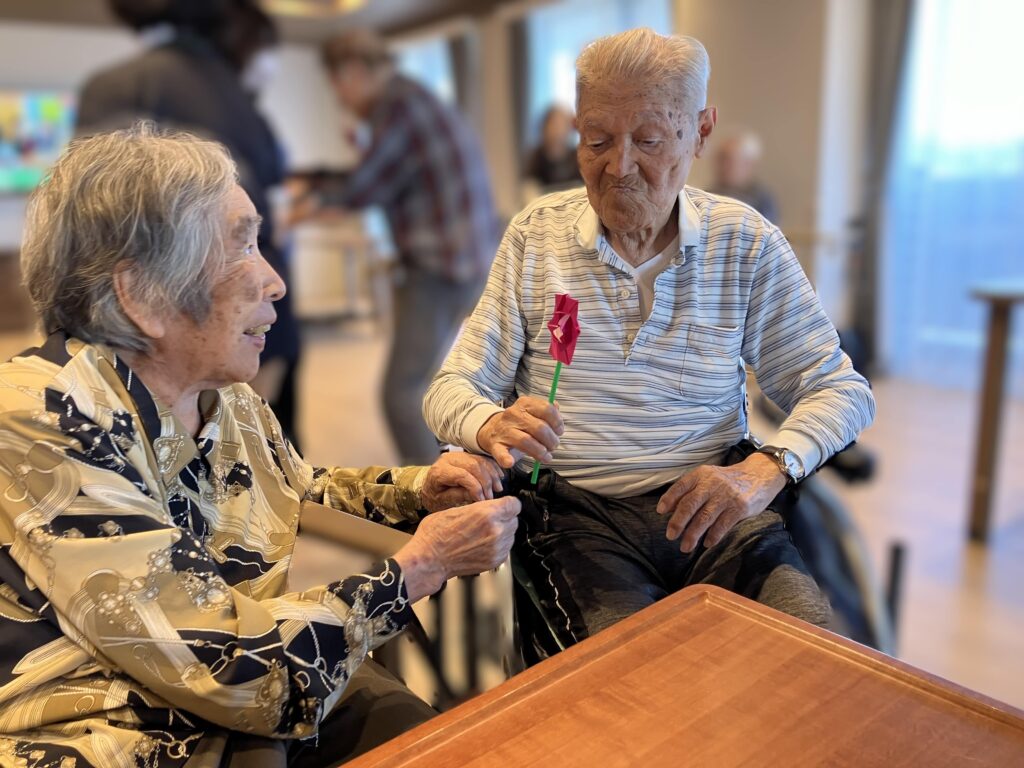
[[143, 611]]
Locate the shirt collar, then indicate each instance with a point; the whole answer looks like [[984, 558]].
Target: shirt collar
[[588, 226]]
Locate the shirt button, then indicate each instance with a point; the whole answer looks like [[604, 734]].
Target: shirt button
[[624, 293], [678, 261], [630, 337]]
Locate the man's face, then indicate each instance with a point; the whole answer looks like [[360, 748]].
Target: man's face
[[636, 148], [225, 347], [352, 83], [734, 165]]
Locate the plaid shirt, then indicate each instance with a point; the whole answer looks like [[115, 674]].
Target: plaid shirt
[[426, 169]]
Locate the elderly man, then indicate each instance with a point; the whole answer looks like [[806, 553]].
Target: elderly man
[[150, 502], [678, 289]]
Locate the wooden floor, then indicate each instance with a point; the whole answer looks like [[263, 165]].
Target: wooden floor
[[963, 605]]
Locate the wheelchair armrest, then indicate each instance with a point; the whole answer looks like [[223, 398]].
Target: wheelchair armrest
[[348, 530]]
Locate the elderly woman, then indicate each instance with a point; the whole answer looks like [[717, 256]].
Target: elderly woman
[[150, 502]]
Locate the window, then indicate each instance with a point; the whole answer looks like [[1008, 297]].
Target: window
[[955, 198], [557, 33], [429, 62]]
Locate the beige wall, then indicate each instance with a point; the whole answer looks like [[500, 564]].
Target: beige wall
[[841, 155], [794, 71], [766, 76]]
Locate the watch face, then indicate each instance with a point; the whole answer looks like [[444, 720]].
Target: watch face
[[794, 467]]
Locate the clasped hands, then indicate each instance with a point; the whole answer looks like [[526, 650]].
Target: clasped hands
[[468, 531], [708, 500]]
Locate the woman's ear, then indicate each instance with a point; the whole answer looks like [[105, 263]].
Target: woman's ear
[[149, 319]]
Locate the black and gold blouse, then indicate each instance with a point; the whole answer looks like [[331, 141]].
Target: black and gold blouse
[[143, 603]]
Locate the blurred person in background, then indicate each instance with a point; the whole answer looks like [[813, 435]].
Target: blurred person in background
[[552, 164], [152, 502], [204, 63], [736, 163], [651, 484], [424, 166]]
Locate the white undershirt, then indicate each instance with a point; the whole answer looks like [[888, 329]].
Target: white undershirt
[[648, 272]]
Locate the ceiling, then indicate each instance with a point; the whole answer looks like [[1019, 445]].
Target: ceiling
[[301, 21]]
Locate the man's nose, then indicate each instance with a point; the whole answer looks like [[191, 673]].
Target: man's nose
[[622, 161]]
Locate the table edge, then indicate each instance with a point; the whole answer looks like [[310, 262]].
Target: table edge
[[481, 708]]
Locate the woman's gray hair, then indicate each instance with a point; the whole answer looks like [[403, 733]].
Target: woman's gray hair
[[151, 199], [643, 57]]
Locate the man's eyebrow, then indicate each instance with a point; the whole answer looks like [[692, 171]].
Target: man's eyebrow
[[244, 225], [647, 116]]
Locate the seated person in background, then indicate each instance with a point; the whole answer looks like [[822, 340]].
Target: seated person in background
[[678, 289], [552, 164], [151, 502], [736, 174]]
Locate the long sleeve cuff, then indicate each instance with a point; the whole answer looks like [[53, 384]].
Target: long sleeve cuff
[[475, 419], [802, 445], [408, 483], [378, 596]]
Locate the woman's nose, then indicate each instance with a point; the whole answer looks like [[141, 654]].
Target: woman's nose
[[274, 288]]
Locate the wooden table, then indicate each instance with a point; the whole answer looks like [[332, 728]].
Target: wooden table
[[1000, 297], [705, 678]]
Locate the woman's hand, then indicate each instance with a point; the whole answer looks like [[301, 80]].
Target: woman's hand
[[458, 542]]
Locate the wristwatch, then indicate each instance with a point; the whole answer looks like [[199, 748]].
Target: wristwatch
[[789, 463]]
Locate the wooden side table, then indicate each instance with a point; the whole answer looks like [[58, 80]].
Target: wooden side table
[[1000, 297]]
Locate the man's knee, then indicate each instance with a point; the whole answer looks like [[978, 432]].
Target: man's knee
[[759, 560], [794, 592]]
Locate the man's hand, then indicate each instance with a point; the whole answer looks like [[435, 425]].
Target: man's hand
[[714, 499], [530, 427], [459, 478], [458, 542], [302, 208]]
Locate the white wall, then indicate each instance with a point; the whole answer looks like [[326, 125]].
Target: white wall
[[304, 112], [297, 101]]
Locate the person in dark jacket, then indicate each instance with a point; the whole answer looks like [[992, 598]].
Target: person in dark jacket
[[198, 73]]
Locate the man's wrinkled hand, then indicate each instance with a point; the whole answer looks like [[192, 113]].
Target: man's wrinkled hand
[[458, 542], [459, 478], [712, 500], [530, 427]]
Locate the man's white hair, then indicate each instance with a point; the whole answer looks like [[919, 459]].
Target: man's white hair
[[643, 57]]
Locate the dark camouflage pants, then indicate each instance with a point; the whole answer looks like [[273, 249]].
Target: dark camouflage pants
[[592, 561]]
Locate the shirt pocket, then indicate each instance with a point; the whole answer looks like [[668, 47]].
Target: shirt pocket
[[711, 368]]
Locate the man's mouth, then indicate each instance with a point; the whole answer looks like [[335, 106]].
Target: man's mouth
[[257, 330]]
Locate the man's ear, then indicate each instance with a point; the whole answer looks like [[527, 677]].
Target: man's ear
[[148, 319], [706, 120]]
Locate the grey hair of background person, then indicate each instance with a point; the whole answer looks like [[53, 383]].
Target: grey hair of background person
[[642, 57], [143, 196]]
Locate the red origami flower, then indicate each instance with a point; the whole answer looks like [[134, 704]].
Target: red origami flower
[[564, 327]]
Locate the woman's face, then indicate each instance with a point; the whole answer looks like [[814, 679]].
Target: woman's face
[[225, 347]]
